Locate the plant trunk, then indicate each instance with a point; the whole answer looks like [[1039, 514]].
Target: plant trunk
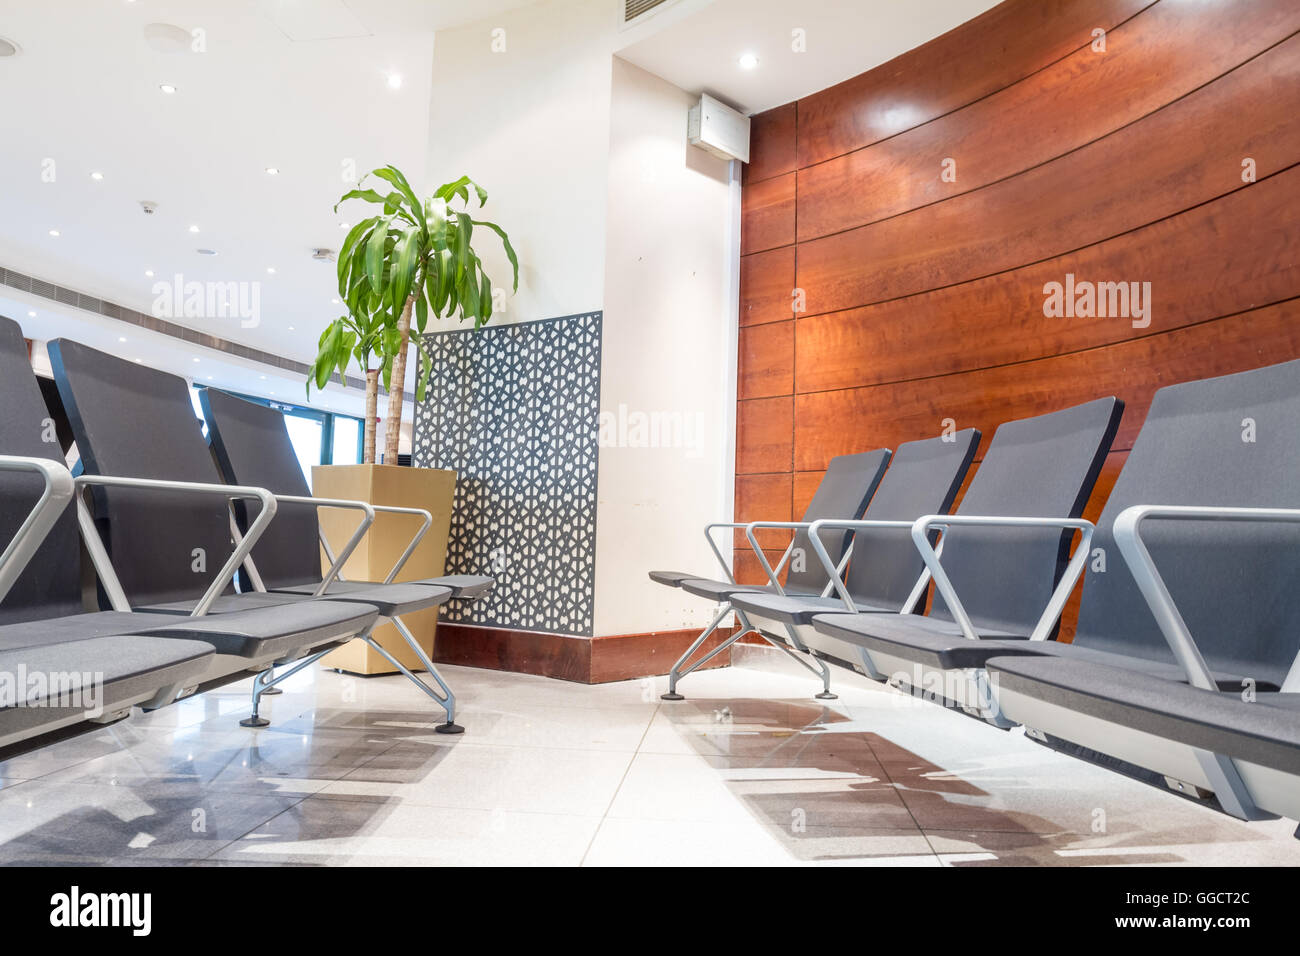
[[397, 385], [372, 412]]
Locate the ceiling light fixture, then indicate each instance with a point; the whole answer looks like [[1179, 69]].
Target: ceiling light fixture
[[196, 360], [121, 338], [31, 315], [97, 177], [54, 233], [149, 273], [748, 61], [194, 228], [394, 81], [272, 171], [167, 88]]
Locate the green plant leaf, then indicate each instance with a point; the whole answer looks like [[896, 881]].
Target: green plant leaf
[[369, 195], [375, 255], [421, 310], [510, 250], [406, 254], [393, 175]]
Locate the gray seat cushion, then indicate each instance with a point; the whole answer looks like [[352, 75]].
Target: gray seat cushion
[[1265, 732], [103, 672], [466, 586], [718, 590], [672, 579], [388, 599], [939, 644], [795, 609], [277, 630]]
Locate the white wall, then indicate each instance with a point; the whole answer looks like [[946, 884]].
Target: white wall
[[668, 351], [531, 125], [587, 166]]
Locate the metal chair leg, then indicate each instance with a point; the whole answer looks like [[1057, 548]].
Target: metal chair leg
[[447, 700]]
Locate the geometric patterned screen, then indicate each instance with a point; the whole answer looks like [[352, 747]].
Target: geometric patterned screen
[[514, 410]]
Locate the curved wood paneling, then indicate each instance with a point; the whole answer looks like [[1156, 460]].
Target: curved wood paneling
[[1149, 62], [1185, 258], [924, 299], [996, 49], [898, 411], [1187, 153]]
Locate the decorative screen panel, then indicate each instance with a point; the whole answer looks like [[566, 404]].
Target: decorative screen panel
[[514, 410]]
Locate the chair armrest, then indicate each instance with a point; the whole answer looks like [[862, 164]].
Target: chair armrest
[[56, 494], [922, 527], [367, 519], [1128, 538], [713, 545], [104, 567]]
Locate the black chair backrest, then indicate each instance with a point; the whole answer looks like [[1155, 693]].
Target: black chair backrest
[[1044, 466], [923, 478], [844, 491], [252, 447], [1232, 441], [137, 422], [51, 584]]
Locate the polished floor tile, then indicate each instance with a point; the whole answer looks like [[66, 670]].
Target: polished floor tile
[[749, 770]]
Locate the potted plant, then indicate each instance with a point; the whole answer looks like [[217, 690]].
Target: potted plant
[[412, 260]]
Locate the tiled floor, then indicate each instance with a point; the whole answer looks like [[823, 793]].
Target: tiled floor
[[749, 770]]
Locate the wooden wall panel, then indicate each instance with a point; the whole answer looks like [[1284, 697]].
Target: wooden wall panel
[[1173, 158], [771, 145], [767, 214], [1187, 153], [857, 419], [1185, 258], [766, 358], [997, 48], [763, 498], [1149, 62], [766, 286]]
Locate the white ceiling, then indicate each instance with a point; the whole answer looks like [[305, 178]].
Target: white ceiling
[[300, 85], [85, 95], [700, 48]]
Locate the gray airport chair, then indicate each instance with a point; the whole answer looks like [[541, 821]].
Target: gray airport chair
[[885, 569], [1186, 661], [1005, 573], [139, 422], [121, 658], [843, 492]]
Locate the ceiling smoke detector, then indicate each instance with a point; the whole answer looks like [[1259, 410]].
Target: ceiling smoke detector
[[149, 206], [9, 47], [323, 255]]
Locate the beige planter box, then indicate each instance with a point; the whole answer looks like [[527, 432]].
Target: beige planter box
[[428, 488]]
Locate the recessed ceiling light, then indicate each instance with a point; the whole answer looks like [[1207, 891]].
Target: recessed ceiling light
[[196, 360], [344, 225], [167, 88], [31, 315], [291, 328], [748, 61], [97, 177], [262, 377], [335, 301], [206, 252], [211, 377], [138, 361], [121, 338], [194, 228], [54, 233], [272, 171], [394, 81], [270, 270], [149, 273]]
